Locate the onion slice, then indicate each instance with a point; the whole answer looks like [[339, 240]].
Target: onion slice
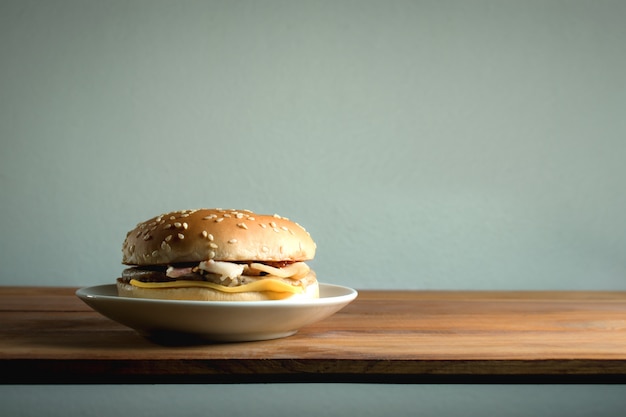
[[295, 270]]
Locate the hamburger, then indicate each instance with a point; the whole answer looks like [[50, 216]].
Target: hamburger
[[218, 255]]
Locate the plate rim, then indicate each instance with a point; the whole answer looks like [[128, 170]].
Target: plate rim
[[89, 293]]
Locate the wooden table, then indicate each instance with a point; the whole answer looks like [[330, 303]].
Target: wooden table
[[47, 335]]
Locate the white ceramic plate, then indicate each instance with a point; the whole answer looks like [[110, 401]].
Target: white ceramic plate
[[223, 321]]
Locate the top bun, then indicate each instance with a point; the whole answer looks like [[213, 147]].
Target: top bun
[[222, 235]]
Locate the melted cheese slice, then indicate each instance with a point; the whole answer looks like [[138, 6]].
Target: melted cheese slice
[[261, 285]]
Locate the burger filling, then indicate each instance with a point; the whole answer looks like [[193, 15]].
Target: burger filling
[[292, 277]]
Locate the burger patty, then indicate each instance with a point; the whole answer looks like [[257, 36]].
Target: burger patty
[[154, 274], [191, 272]]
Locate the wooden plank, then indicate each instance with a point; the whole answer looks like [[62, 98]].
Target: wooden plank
[[383, 336], [40, 299]]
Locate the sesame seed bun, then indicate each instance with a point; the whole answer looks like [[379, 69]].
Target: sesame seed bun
[[221, 235]]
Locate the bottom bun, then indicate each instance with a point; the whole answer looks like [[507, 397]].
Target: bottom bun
[[209, 294]]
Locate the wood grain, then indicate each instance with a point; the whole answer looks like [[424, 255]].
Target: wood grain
[[47, 335]]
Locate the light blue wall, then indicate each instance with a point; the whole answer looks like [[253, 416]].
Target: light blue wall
[[424, 144], [284, 400]]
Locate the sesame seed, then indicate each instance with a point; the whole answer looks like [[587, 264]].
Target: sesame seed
[[211, 254], [213, 245], [168, 238], [155, 253], [242, 226], [276, 229], [272, 224], [210, 217], [167, 226], [185, 226], [227, 215], [263, 225], [239, 215], [251, 218], [178, 225], [147, 237], [210, 237], [232, 241], [284, 228], [219, 219], [204, 234], [181, 236], [277, 216]]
